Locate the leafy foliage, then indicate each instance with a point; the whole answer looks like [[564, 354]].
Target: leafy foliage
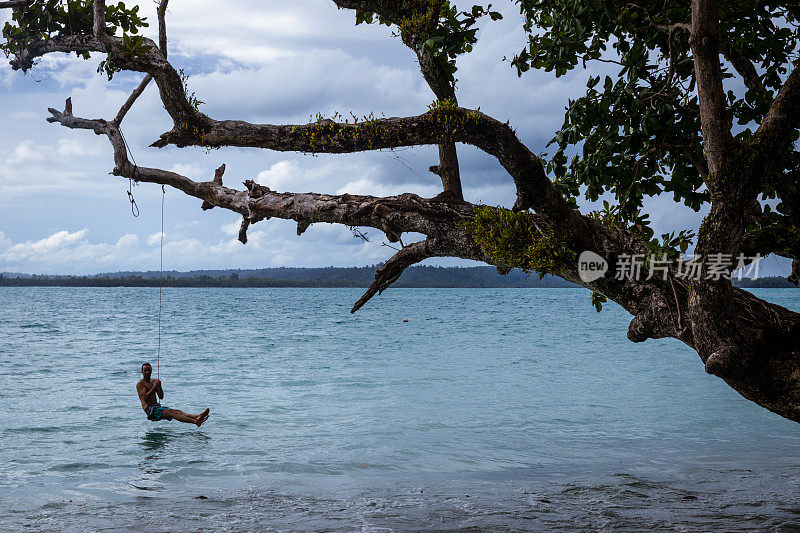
[[671, 243], [191, 97], [636, 131], [62, 18], [132, 47], [598, 300], [433, 26], [512, 239]]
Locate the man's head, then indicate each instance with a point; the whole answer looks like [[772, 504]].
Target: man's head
[[147, 370]]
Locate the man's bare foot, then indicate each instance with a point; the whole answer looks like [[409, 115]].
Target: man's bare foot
[[202, 417]]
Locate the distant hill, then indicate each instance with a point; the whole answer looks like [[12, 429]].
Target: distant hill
[[415, 276], [771, 282]]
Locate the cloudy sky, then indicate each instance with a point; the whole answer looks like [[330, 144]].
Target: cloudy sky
[[261, 61]]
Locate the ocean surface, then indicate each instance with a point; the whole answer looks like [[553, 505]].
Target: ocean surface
[[497, 409]]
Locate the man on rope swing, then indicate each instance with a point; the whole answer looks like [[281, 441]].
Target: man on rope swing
[[149, 388]]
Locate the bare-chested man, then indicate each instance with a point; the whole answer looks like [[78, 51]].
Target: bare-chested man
[[149, 388]]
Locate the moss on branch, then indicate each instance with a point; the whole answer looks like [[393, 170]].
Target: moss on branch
[[513, 239]]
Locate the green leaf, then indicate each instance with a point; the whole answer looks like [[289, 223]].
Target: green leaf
[[598, 300]]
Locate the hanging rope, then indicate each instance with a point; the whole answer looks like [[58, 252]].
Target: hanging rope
[[160, 284], [134, 207], [135, 212], [132, 200]]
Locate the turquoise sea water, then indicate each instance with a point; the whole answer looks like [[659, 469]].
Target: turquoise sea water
[[489, 409]]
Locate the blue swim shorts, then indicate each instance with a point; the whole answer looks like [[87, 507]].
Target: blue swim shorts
[[154, 412]]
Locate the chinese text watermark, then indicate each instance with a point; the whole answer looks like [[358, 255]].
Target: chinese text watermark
[[592, 266]]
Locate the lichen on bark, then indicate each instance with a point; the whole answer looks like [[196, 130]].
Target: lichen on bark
[[513, 239]]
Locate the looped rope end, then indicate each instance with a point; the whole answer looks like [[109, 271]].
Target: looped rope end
[[132, 200]]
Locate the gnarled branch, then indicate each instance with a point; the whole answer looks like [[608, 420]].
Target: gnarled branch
[[704, 41], [137, 92], [781, 119], [744, 67], [161, 13], [443, 125], [16, 3], [394, 267]]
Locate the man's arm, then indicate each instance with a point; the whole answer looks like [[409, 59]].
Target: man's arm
[[159, 390], [144, 393]]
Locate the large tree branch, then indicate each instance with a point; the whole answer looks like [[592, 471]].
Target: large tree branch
[[16, 3], [393, 215], [704, 41], [99, 27], [433, 68], [390, 271], [438, 219], [745, 68], [137, 92], [443, 124], [781, 119], [161, 13]]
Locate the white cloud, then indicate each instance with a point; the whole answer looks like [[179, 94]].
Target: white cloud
[[295, 88], [261, 35], [270, 244], [230, 229], [155, 238], [79, 145], [128, 241], [27, 152], [63, 244], [280, 176], [187, 224], [188, 169], [67, 252], [366, 185], [56, 241]]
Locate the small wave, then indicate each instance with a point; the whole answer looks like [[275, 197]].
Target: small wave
[[26, 430], [144, 488], [298, 382], [79, 466]]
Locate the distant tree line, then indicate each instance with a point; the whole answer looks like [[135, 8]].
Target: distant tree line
[[418, 276], [771, 282]]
